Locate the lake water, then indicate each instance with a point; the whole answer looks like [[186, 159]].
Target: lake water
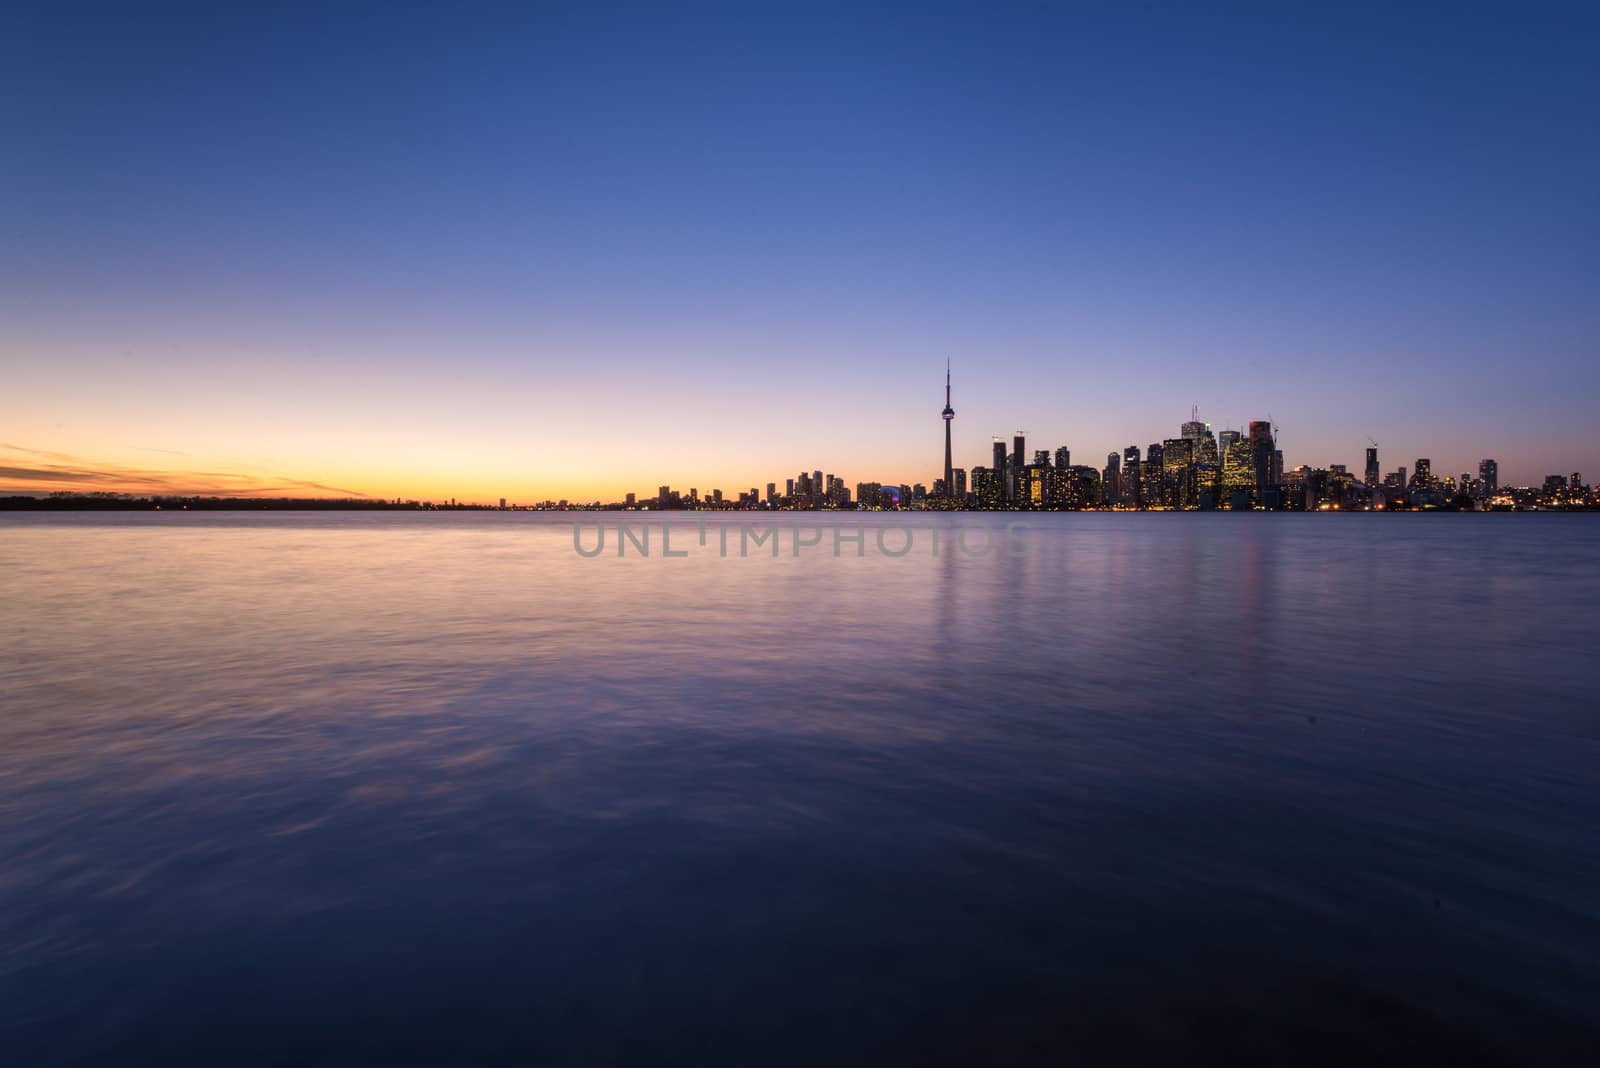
[[347, 787]]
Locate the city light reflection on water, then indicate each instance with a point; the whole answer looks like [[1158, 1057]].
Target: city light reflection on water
[[346, 786]]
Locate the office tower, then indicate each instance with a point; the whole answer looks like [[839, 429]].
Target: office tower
[[1577, 481], [985, 488], [1373, 478], [1132, 495], [1489, 475], [1238, 472], [959, 490], [1262, 448], [1001, 471], [1019, 457], [1225, 440], [663, 495], [1111, 479], [772, 492], [1422, 478], [1177, 456], [1151, 476], [1063, 458], [1203, 444]]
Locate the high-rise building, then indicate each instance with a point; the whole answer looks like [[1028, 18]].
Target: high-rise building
[[1373, 477], [1177, 480], [1203, 444], [1151, 476], [1422, 476], [1111, 480], [1132, 495], [1001, 471], [1019, 457], [949, 417], [1063, 458], [959, 490], [1262, 448], [1238, 472], [1489, 475]]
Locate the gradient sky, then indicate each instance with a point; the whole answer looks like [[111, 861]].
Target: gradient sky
[[582, 251]]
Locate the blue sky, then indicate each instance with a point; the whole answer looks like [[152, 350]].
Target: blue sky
[[526, 251]]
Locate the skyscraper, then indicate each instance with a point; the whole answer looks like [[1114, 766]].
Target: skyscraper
[[1238, 472], [1373, 478], [1263, 460], [1177, 457], [1151, 477], [1422, 475], [1001, 472], [1019, 458], [949, 417], [1132, 496], [1489, 475], [1203, 447]]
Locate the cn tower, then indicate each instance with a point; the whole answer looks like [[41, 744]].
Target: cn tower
[[949, 414]]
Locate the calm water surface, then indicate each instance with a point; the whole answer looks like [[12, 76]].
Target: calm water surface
[[342, 788]]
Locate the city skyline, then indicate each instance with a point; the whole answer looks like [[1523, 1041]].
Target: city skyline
[[434, 256], [30, 472], [1202, 469]]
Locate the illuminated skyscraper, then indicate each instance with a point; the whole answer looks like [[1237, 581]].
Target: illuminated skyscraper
[[949, 417], [1178, 472], [1262, 458], [1373, 478], [1203, 447], [1132, 495], [1111, 480], [1019, 457], [1422, 476], [1001, 471], [1489, 475], [1238, 472], [1151, 477]]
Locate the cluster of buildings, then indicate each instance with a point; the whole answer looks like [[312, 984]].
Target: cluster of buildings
[[1197, 470]]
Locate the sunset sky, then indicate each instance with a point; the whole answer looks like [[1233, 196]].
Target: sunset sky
[[578, 252]]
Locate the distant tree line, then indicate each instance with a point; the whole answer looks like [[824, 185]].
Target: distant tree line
[[124, 502]]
